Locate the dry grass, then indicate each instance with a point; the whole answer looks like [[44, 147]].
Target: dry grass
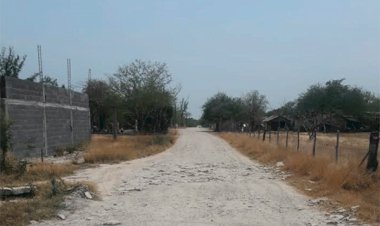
[[41, 206], [351, 145], [38, 172], [22, 211], [345, 183], [105, 149]]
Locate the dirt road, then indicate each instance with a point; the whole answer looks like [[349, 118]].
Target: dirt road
[[201, 180]]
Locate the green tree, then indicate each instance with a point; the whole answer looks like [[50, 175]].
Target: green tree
[[47, 80], [146, 93], [255, 106], [10, 63], [320, 103], [288, 109], [220, 108], [182, 113], [102, 101]]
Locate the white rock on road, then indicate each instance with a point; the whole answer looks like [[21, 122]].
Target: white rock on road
[[201, 180]]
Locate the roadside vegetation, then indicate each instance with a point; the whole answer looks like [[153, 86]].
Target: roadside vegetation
[[137, 97], [316, 109], [318, 114], [319, 176], [46, 197], [42, 204], [104, 149]]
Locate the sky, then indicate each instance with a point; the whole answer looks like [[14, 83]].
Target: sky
[[279, 48]]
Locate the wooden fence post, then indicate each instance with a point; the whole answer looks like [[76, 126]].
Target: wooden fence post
[[278, 135], [337, 147], [287, 137], [372, 162], [42, 155], [314, 142], [298, 139], [114, 124], [270, 133]]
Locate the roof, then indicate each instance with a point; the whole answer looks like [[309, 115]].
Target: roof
[[350, 118], [272, 117]]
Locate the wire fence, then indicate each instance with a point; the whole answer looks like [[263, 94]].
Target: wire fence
[[340, 147]]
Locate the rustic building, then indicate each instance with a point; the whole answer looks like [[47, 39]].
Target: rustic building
[[276, 122]]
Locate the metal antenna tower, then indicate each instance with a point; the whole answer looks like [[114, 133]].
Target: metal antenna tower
[[89, 74], [41, 75], [70, 97], [40, 63], [69, 76]]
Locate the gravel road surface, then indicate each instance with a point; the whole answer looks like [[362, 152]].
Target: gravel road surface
[[201, 180]]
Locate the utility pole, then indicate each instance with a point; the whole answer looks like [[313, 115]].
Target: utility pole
[[41, 74], [70, 99], [89, 74]]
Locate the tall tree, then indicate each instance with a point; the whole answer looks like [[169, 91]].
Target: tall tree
[[145, 89], [182, 112], [10, 63], [101, 101], [255, 107], [321, 102], [220, 108]]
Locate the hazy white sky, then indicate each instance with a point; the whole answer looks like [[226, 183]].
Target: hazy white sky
[[276, 47]]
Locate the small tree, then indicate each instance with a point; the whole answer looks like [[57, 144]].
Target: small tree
[[10, 63], [101, 101], [47, 80]]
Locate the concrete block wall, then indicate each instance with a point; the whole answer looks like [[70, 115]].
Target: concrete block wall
[[24, 106]]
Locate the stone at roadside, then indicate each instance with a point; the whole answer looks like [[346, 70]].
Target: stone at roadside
[[78, 160], [355, 208], [318, 201], [15, 191], [352, 219], [22, 190], [88, 195], [112, 222], [340, 210], [336, 217], [134, 189], [5, 191], [279, 164], [61, 216]]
